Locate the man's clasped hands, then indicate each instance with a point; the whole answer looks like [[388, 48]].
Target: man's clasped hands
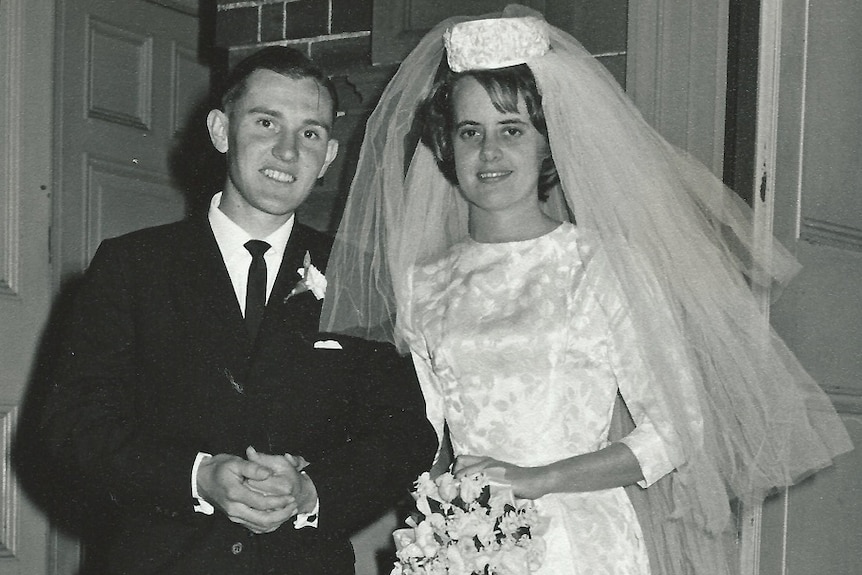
[[261, 492]]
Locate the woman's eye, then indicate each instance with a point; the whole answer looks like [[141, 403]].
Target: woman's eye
[[513, 131], [467, 133]]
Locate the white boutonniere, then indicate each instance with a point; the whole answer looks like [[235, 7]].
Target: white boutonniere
[[311, 279]]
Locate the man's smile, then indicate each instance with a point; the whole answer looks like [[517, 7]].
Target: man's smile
[[279, 176]]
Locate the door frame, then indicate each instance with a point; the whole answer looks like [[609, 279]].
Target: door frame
[[676, 72], [766, 146], [779, 153], [26, 159], [677, 75]]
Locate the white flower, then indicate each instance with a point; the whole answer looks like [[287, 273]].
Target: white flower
[[471, 487], [311, 278], [410, 550], [457, 563], [438, 522], [513, 562], [403, 538], [423, 506], [447, 486], [470, 525], [425, 486], [425, 539]]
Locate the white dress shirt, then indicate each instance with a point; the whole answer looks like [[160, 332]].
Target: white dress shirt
[[231, 240]]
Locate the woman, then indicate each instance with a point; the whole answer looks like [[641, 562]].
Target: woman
[[521, 337], [523, 329]]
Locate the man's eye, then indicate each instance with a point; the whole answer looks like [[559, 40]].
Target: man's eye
[[265, 122], [311, 134]]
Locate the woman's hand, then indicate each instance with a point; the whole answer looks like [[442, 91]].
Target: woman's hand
[[526, 482], [611, 466]]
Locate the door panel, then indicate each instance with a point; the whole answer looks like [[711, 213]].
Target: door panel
[[820, 519], [130, 85], [810, 144], [130, 81], [122, 199]]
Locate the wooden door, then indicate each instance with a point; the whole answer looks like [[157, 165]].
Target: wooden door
[[809, 162], [26, 50], [130, 139], [131, 91]]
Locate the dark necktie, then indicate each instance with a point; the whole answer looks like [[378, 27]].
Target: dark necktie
[[255, 295]]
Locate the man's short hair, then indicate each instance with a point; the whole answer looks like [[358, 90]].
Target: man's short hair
[[283, 60]]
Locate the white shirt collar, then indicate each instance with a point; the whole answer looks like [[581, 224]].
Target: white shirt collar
[[231, 239]]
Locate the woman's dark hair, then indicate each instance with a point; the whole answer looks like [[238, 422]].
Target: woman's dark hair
[[437, 116], [283, 60]]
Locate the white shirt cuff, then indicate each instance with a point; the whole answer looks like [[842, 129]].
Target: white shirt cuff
[[201, 506], [309, 519]]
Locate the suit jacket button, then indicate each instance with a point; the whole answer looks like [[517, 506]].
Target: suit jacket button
[[236, 548]]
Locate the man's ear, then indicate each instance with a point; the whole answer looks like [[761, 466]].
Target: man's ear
[[331, 152], [217, 124]]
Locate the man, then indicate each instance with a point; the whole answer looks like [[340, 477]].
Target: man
[[194, 391]]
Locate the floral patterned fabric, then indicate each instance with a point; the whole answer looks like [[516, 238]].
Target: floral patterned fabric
[[521, 348]]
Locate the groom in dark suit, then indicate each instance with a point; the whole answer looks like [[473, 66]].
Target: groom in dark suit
[[195, 393]]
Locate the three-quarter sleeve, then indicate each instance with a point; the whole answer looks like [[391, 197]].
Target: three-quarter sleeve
[[653, 441], [428, 380], [434, 410]]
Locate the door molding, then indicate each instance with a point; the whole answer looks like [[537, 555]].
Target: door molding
[[779, 141], [11, 63], [676, 72], [26, 52]]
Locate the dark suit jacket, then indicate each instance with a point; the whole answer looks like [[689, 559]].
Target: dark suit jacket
[[157, 366]]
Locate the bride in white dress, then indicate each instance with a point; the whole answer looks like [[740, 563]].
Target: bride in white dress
[[525, 327], [525, 369], [522, 341]]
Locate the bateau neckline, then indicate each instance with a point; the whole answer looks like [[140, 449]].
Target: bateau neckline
[[561, 226]]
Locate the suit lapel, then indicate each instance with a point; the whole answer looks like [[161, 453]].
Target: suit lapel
[[299, 313], [208, 288], [291, 261]]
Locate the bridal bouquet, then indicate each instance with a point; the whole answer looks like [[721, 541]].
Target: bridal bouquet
[[469, 526]]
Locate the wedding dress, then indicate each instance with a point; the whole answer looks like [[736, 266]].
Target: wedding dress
[[521, 348]]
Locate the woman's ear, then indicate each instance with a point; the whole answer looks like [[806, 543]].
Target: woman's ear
[[217, 124]]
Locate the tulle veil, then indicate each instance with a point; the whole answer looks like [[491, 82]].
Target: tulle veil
[[749, 417]]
